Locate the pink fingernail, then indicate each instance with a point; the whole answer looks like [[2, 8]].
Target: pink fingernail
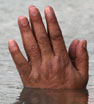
[[11, 43], [33, 10], [48, 11], [23, 21]]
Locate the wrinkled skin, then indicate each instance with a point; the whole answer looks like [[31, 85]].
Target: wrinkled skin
[[49, 65]]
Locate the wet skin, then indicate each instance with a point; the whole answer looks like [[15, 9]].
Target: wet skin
[[48, 64]]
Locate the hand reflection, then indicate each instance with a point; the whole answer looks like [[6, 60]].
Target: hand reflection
[[37, 96]]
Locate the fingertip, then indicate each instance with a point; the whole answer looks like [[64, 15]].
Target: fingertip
[[72, 48], [11, 42], [48, 10], [84, 44], [31, 7], [23, 21], [47, 7], [12, 45], [82, 58], [81, 50], [33, 11], [74, 43], [20, 18], [76, 40]]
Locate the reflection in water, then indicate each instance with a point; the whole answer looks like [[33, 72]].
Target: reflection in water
[[38, 96]]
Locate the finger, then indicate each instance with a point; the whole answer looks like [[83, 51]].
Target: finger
[[21, 63], [81, 58], [55, 32], [40, 31], [29, 42], [72, 50]]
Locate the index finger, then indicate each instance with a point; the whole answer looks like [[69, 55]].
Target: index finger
[[21, 63]]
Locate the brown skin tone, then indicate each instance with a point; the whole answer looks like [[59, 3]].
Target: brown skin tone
[[49, 65]]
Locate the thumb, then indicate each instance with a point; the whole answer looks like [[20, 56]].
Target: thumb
[[79, 56], [81, 61]]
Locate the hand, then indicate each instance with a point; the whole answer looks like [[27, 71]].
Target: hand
[[49, 65]]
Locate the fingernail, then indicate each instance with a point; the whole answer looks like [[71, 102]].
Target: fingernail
[[23, 21], [11, 43], [33, 10], [48, 11], [85, 44]]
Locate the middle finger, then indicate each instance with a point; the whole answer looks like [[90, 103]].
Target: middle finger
[[40, 31]]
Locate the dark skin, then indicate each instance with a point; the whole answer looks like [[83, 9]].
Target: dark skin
[[49, 65]]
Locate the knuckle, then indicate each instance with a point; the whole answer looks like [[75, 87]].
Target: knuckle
[[33, 50], [44, 43], [56, 35], [43, 40]]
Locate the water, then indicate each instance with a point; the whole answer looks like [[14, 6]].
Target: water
[[76, 19], [37, 96]]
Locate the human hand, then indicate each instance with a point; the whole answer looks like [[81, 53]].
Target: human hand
[[49, 65]]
